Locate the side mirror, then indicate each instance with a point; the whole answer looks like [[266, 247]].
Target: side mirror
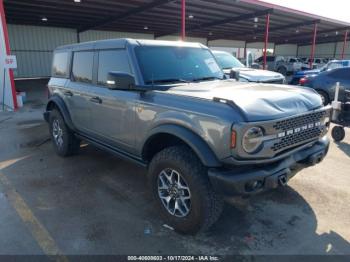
[[120, 80], [234, 74]]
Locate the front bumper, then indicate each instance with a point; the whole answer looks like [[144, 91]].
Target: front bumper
[[257, 178]]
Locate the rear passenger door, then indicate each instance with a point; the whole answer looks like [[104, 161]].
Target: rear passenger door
[[113, 115], [78, 90]]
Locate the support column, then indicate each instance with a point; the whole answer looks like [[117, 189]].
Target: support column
[[344, 44], [266, 38], [5, 50], [183, 20], [245, 50], [313, 46]]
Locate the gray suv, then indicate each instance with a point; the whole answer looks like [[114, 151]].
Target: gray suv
[[168, 107]]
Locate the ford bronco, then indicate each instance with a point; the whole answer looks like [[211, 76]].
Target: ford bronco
[[169, 107]]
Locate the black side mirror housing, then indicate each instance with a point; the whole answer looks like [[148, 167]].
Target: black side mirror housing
[[234, 74], [120, 81]]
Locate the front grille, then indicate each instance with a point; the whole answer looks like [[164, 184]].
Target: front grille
[[299, 121], [293, 140], [298, 130]]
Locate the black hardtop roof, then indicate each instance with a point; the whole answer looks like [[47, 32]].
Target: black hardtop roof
[[122, 42]]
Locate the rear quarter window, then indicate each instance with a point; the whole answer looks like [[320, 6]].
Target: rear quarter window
[[60, 65]]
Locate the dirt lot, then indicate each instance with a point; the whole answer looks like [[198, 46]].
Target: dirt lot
[[95, 203]]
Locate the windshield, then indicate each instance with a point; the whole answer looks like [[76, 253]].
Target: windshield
[[227, 61], [176, 64]]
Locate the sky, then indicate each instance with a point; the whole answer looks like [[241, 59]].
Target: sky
[[336, 9]]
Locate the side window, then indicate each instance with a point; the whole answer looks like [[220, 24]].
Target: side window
[[60, 65], [82, 66], [111, 60]]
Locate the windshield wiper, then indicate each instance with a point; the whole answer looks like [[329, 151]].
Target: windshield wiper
[[164, 81], [208, 78]]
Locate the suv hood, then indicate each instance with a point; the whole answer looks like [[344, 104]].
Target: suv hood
[[258, 102], [256, 75]]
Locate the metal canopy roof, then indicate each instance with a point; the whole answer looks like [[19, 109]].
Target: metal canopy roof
[[212, 19]]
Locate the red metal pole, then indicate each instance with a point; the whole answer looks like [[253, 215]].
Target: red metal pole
[[344, 44], [266, 38], [8, 52], [313, 46], [183, 20]]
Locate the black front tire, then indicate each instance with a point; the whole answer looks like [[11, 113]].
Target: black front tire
[[282, 70], [324, 96], [206, 205], [338, 133], [63, 139]]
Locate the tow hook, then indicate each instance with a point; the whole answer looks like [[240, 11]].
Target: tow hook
[[282, 180]]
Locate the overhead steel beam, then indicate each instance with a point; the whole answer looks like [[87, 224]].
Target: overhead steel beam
[[279, 28], [119, 17], [302, 39], [222, 21]]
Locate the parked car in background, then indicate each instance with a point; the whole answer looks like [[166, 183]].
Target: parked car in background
[[229, 64], [324, 83], [329, 66], [167, 106], [279, 64]]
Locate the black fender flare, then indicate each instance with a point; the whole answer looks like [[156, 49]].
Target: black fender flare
[[62, 107], [194, 141]]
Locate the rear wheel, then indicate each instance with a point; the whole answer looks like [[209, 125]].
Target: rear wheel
[[282, 70], [182, 190], [64, 141], [338, 133]]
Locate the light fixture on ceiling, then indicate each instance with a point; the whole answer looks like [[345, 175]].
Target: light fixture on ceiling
[[145, 27], [254, 37], [44, 19], [255, 25], [210, 33], [297, 31], [256, 19], [191, 16], [336, 33], [77, 1]]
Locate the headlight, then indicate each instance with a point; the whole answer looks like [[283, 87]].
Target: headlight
[[252, 139]]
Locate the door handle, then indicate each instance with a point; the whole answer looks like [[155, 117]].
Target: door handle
[[96, 99], [68, 93]]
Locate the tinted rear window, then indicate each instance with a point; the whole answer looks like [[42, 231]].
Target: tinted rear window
[[82, 66], [60, 65]]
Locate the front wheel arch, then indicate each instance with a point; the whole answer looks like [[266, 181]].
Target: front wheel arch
[[180, 135]]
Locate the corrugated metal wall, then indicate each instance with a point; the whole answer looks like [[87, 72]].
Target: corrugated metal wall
[[286, 50], [330, 50], [34, 45]]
